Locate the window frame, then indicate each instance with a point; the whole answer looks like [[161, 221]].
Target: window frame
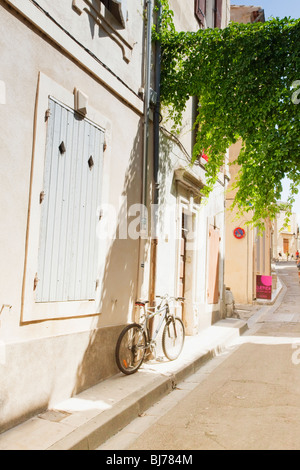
[[31, 310]]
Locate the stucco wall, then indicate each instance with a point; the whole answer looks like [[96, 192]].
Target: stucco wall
[[48, 352], [33, 370]]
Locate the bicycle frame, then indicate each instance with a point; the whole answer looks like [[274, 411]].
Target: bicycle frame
[[165, 309], [149, 315]]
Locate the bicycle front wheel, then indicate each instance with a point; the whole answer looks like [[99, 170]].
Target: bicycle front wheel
[[173, 338], [130, 349]]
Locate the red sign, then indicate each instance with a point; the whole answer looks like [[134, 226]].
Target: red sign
[[263, 287], [239, 233]]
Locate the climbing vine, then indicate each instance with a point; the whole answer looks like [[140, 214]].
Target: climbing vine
[[246, 78]]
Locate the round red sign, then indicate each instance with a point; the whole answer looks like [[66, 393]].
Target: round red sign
[[239, 232]]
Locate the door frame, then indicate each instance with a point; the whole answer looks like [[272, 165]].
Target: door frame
[[188, 207]]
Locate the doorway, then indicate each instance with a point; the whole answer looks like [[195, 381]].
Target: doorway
[[186, 265], [182, 254], [286, 245], [213, 288]]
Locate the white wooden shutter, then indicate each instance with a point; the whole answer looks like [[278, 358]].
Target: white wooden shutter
[[68, 251]]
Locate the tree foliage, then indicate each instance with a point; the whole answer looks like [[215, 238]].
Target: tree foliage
[[246, 78]]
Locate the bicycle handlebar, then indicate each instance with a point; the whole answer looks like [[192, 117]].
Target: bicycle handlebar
[[142, 303], [168, 297]]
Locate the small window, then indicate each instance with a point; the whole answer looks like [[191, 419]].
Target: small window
[[200, 11], [118, 8]]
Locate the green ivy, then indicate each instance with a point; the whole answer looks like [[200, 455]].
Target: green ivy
[[243, 76]]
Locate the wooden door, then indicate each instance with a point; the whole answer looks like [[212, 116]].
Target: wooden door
[[182, 255]]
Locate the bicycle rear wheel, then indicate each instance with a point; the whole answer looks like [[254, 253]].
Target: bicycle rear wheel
[[130, 349], [173, 338]]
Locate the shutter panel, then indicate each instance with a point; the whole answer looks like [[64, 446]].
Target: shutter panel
[[200, 11], [218, 14], [67, 265], [213, 267]]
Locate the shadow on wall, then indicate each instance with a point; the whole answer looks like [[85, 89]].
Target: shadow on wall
[[119, 283]]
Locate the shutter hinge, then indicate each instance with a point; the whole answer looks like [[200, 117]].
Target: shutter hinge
[[35, 281], [104, 146], [42, 196], [47, 114]]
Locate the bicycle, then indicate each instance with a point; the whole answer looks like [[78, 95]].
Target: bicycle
[[135, 340]]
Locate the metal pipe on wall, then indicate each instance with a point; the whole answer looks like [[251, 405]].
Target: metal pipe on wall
[[147, 102], [143, 215], [156, 121]]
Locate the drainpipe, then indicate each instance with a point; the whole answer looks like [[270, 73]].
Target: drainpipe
[[147, 103], [156, 121], [143, 224]]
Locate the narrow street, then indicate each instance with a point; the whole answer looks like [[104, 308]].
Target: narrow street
[[247, 398]]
